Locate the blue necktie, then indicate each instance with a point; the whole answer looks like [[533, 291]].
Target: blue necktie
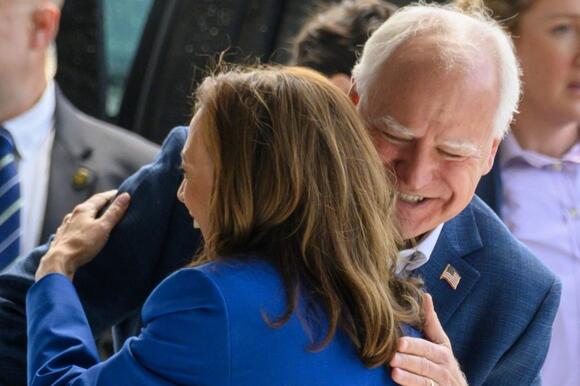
[[10, 201]]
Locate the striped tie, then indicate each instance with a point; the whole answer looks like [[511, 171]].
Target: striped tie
[[10, 201]]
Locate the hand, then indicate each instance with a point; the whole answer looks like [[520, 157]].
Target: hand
[[420, 362], [81, 236]]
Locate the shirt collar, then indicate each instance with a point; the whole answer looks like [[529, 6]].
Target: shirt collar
[[425, 247], [512, 151], [30, 129]]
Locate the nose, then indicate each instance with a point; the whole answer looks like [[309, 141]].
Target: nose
[[180, 192], [415, 169]]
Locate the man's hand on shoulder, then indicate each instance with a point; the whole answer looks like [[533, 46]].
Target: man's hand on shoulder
[[420, 362]]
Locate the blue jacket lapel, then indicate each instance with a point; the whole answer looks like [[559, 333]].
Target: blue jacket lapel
[[459, 238]]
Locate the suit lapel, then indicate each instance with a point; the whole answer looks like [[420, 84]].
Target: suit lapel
[[459, 238], [70, 153]]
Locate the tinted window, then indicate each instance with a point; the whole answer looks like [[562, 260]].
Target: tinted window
[[123, 23]]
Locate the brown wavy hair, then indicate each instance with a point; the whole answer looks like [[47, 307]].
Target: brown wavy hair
[[298, 180], [506, 12]]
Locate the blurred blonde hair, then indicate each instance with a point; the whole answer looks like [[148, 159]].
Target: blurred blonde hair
[[507, 12], [297, 179]]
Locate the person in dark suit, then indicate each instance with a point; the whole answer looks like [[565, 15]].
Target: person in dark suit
[[62, 156], [438, 89], [329, 42], [495, 300], [298, 259]]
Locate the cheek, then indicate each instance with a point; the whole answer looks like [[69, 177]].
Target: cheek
[[544, 64], [386, 150], [188, 195], [462, 180]]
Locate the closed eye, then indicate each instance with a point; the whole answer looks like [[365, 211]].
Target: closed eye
[[562, 29], [394, 139], [453, 156]]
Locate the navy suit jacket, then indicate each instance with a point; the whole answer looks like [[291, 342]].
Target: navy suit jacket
[[499, 318], [201, 326], [489, 188]]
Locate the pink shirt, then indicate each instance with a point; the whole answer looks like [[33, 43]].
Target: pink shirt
[[541, 206]]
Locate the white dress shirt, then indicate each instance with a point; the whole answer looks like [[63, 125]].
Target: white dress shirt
[[33, 135], [412, 258]]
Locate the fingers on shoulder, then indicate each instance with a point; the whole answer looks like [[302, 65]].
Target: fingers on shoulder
[[116, 210]]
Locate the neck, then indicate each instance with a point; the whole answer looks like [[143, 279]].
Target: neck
[[549, 136], [27, 95]]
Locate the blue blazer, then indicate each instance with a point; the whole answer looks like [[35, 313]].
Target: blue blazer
[[201, 326], [499, 318]]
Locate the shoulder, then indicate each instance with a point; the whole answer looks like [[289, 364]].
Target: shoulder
[[216, 283], [506, 257], [77, 126]]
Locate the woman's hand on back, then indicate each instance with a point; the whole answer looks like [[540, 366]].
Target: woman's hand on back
[[82, 234]]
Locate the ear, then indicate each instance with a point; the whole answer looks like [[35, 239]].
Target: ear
[[353, 94], [342, 81], [491, 157], [45, 21]]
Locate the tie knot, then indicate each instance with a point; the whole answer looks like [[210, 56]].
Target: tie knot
[[6, 142], [409, 260]]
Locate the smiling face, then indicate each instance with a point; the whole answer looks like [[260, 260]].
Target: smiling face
[[434, 129], [548, 45], [196, 186]]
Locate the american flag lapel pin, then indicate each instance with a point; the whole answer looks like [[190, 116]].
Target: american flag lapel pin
[[451, 276]]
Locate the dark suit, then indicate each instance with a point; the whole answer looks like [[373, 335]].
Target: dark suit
[[110, 154], [499, 318], [490, 187]]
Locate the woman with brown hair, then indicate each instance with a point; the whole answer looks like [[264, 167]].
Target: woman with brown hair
[[294, 285], [535, 183]]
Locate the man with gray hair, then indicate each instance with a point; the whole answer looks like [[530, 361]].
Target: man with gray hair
[[52, 156], [436, 89]]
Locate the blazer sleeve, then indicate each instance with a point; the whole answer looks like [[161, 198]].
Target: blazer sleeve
[[522, 363], [185, 338], [154, 238]]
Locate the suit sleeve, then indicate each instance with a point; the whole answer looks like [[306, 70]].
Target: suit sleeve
[[150, 242], [522, 363], [184, 339]]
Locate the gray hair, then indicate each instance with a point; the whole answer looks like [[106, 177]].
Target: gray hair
[[463, 37]]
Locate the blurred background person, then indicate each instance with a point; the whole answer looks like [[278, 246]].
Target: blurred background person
[[331, 40], [535, 183], [53, 156], [295, 283]]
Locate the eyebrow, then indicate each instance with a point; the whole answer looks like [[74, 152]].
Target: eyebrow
[[395, 127], [563, 16], [460, 147]]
